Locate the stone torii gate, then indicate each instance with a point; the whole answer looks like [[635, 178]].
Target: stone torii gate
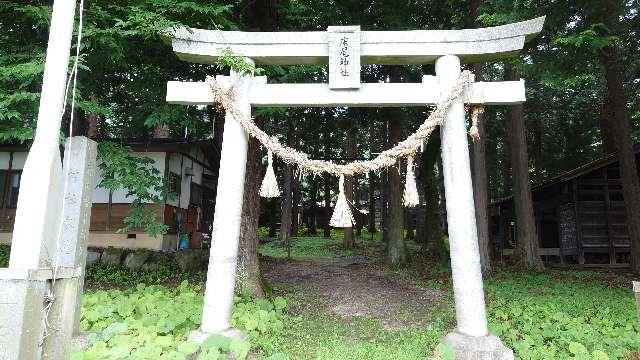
[[345, 48]]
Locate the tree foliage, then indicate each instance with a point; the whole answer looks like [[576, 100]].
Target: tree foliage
[[126, 60]]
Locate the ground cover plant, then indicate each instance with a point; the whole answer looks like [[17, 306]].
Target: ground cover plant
[[153, 322], [314, 248], [564, 315], [557, 314], [551, 315], [166, 272], [4, 255]]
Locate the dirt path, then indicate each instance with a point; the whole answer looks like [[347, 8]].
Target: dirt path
[[351, 287]]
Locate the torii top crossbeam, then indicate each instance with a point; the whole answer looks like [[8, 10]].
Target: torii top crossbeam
[[345, 48], [376, 47]]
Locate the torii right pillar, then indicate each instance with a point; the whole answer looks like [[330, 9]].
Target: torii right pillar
[[471, 339]]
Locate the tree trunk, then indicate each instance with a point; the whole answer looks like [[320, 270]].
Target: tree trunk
[[480, 191], [479, 168], [351, 152], [410, 224], [357, 214], [443, 199], [384, 192], [372, 182], [217, 118], [608, 140], [295, 207], [432, 242], [622, 135], [249, 262], [396, 250], [92, 121], [273, 217], [287, 200], [371, 227], [248, 274], [327, 186], [313, 207], [527, 234]]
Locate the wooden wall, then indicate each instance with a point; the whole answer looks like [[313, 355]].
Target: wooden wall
[[588, 214], [601, 215], [7, 216], [105, 217]]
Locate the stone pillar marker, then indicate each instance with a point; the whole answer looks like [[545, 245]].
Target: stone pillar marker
[[471, 338], [79, 169], [64, 317], [219, 291]]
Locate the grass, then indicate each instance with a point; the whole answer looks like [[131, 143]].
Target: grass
[[4, 255], [561, 314], [550, 315], [554, 315], [310, 248], [317, 335]]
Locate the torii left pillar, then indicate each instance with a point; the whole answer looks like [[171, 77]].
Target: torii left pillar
[[221, 274]]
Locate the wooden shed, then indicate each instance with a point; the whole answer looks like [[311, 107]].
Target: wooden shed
[[580, 217]]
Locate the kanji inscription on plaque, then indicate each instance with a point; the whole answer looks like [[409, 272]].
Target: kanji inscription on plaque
[[344, 57]]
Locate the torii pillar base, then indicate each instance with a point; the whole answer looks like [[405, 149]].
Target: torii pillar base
[[477, 347]]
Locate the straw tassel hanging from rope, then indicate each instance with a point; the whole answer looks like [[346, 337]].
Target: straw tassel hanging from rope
[[342, 216], [476, 111], [410, 198], [269, 187]]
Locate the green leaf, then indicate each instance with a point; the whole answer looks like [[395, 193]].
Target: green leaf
[[188, 347], [239, 348], [279, 302], [216, 342], [577, 348], [599, 355], [444, 352], [278, 356]]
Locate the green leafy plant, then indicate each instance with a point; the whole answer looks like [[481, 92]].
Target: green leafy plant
[[306, 248], [153, 322], [165, 271], [569, 315], [122, 169], [229, 60], [4, 255]]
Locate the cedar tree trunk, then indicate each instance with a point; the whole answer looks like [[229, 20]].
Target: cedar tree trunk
[[396, 250], [527, 234], [351, 150], [248, 274]]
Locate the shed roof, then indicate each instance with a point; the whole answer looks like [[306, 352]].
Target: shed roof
[[573, 173]]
